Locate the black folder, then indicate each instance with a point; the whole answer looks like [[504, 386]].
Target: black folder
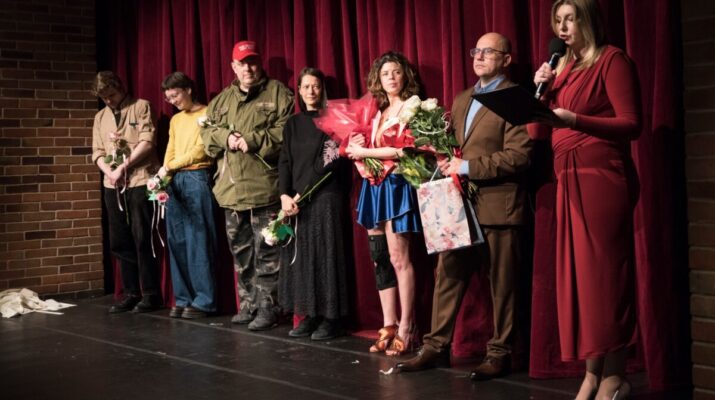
[[515, 104]]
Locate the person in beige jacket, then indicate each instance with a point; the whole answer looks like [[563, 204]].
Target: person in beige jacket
[[123, 141]]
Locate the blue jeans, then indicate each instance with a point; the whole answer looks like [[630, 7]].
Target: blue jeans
[[191, 232]]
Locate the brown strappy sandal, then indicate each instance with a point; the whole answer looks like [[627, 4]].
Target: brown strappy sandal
[[386, 335], [402, 345]]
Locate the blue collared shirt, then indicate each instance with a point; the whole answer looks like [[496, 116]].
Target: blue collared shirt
[[474, 107]]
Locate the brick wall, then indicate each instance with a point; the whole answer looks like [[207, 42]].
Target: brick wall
[[50, 221], [698, 22]]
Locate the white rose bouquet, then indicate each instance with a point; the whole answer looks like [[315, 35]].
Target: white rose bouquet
[[429, 126]]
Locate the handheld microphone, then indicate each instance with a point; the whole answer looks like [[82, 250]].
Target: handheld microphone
[[557, 48]]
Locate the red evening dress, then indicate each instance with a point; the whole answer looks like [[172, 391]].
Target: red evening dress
[[595, 195]]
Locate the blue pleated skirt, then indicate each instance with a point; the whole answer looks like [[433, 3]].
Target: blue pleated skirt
[[392, 200]]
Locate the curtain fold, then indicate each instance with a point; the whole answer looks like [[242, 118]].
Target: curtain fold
[[145, 40]]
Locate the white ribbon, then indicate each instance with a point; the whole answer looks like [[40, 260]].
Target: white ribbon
[[295, 247], [156, 215], [223, 169]]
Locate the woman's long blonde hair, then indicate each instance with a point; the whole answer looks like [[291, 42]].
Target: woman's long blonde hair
[[589, 22]]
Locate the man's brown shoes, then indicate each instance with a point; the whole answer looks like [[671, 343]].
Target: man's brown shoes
[[490, 368], [426, 358]]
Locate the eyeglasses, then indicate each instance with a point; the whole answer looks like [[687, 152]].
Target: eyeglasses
[[486, 52]]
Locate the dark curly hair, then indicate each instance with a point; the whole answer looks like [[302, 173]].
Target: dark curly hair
[[411, 87]]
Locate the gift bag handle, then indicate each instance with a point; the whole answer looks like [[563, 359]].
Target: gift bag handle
[[433, 174]]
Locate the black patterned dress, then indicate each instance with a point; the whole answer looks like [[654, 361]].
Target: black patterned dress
[[313, 271]]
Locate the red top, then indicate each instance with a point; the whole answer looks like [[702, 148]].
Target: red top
[[604, 97]]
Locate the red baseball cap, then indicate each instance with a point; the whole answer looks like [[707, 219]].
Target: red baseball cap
[[244, 49]]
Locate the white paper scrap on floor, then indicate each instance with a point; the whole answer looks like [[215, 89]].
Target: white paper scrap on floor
[[23, 301]]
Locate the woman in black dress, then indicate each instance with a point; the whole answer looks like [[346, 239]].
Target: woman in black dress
[[312, 277]]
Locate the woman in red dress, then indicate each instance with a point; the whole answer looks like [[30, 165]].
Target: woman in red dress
[[594, 94]]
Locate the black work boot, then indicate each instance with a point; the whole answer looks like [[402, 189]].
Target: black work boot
[[266, 318], [149, 303], [127, 304], [305, 328], [328, 329], [244, 316]]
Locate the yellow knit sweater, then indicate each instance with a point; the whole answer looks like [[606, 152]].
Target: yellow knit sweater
[[186, 149]]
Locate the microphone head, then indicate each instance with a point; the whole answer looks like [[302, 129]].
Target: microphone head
[[557, 46]]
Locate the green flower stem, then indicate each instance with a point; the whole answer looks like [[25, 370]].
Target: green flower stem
[[313, 188], [374, 166], [263, 161]]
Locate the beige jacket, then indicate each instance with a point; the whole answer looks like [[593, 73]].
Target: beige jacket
[[135, 125]]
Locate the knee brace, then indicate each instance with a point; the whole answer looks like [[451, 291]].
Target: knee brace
[[385, 277]]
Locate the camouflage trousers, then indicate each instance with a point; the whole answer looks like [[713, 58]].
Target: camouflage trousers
[[256, 263]]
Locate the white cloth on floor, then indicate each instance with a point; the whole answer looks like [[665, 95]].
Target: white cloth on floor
[[23, 301]]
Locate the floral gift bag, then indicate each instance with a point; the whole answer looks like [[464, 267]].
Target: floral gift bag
[[449, 221]]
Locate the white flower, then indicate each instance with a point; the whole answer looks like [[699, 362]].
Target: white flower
[[269, 237], [429, 104], [406, 115], [203, 121], [413, 103], [409, 109]]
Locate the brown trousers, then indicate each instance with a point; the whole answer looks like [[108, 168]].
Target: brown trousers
[[501, 254]]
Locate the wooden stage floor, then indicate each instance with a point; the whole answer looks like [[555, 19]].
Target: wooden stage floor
[[88, 354]]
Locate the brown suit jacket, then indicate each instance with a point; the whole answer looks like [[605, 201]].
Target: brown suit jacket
[[498, 153]]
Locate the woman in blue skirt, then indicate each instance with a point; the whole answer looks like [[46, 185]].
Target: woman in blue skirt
[[387, 205]]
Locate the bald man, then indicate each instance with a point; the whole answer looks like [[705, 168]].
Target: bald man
[[495, 156]]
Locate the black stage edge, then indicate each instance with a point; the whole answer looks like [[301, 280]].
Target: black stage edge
[[88, 354]]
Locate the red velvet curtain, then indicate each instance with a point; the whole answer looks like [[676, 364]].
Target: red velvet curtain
[[145, 40]]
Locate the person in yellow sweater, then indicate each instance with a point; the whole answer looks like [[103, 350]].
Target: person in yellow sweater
[[190, 223]]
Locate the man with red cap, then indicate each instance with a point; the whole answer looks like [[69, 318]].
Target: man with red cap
[[245, 136]]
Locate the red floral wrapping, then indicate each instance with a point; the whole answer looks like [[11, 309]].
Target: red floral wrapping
[[391, 137], [344, 118]]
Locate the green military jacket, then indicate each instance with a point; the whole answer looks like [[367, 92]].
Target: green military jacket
[[243, 181]]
